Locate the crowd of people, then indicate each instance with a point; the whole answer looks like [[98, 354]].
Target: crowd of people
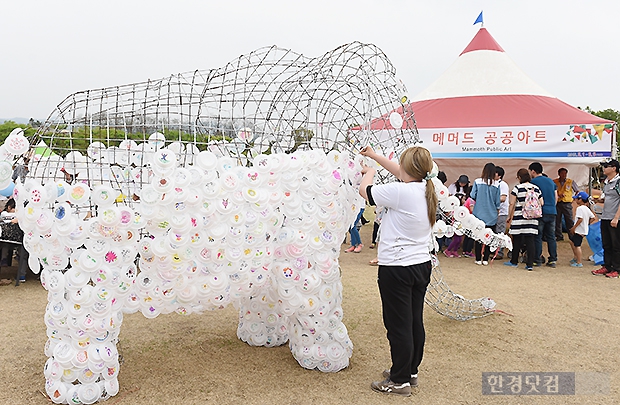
[[561, 206], [564, 209]]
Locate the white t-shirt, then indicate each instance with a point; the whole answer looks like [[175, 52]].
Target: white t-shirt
[[503, 190], [7, 216], [405, 228], [452, 190], [585, 214]]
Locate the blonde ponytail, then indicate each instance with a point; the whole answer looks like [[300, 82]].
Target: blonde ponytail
[[431, 202], [418, 162]]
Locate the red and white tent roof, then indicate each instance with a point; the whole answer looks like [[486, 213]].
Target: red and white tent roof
[[485, 88]]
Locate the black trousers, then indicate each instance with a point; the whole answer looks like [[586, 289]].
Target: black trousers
[[518, 241], [375, 232], [402, 290], [610, 237], [487, 250], [22, 267], [564, 209], [468, 244]]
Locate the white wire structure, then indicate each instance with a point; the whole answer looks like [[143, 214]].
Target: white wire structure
[[272, 100], [182, 192]]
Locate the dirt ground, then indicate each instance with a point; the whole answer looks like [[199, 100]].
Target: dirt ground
[[561, 319]]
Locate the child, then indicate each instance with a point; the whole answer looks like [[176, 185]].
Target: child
[[453, 247], [584, 218], [6, 249], [455, 244], [8, 214], [379, 211], [356, 240], [468, 243], [14, 233]]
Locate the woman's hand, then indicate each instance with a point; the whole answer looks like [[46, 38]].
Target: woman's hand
[[368, 169], [367, 151], [368, 176]]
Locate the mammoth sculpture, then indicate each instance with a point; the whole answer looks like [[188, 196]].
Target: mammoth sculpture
[[228, 186]]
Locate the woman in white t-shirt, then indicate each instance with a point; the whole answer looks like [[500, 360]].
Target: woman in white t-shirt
[[404, 259]]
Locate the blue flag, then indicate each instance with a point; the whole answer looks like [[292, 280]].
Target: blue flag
[[479, 19]]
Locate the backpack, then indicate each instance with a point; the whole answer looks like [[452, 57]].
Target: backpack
[[531, 207]]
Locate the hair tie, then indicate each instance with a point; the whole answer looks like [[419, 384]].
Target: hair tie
[[430, 175]]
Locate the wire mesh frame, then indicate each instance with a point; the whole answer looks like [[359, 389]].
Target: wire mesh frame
[[271, 100]]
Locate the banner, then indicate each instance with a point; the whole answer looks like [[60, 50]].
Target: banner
[[531, 142]]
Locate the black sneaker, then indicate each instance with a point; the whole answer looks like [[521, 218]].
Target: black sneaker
[[550, 264], [413, 381], [389, 387]]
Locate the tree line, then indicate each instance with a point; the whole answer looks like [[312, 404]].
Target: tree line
[[80, 137]]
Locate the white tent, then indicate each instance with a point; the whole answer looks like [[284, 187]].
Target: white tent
[[485, 109]]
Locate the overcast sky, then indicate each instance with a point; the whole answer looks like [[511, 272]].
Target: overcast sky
[[53, 48]]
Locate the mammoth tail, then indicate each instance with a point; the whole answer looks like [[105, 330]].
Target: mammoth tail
[[446, 302]]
